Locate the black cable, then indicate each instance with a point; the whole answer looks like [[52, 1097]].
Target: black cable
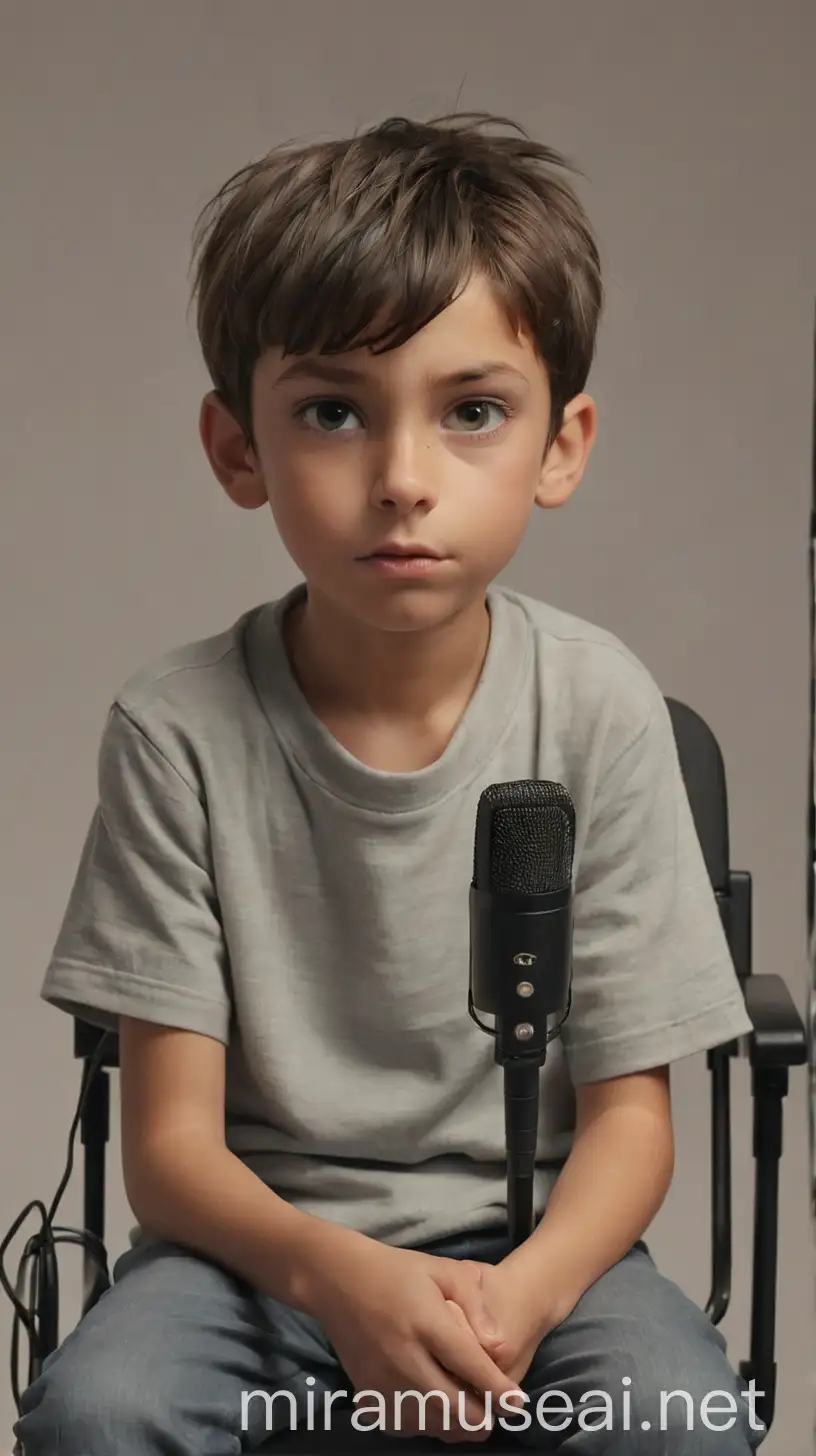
[[37, 1312]]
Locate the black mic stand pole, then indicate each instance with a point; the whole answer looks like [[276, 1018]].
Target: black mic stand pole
[[521, 1089]]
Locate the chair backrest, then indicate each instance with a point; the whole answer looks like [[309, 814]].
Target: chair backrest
[[701, 763], [703, 771]]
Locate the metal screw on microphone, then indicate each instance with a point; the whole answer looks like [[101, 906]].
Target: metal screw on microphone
[[524, 1031], [524, 988]]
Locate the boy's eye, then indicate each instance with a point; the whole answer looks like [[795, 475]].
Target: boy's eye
[[473, 415], [334, 416], [330, 415]]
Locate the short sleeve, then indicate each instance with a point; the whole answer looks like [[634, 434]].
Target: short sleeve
[[653, 978], [141, 935]]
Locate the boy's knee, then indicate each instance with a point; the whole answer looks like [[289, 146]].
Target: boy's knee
[[696, 1416], [719, 1428], [91, 1412], [665, 1401]]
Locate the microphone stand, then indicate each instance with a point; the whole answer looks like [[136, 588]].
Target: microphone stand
[[521, 1077], [521, 1104]]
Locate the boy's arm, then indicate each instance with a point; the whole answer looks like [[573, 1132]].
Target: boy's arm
[[612, 1185], [184, 1184], [390, 1314]]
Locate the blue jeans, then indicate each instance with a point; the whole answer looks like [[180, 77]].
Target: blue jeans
[[159, 1365]]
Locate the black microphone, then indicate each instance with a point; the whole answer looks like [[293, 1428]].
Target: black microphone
[[521, 916]]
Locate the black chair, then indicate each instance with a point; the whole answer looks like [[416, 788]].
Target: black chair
[[777, 1043]]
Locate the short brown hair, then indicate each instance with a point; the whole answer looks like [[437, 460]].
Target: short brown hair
[[339, 244]]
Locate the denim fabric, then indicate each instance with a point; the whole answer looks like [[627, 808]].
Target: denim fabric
[[161, 1362]]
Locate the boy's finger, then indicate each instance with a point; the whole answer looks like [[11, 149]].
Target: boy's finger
[[471, 1307], [433, 1376], [464, 1287], [455, 1346]]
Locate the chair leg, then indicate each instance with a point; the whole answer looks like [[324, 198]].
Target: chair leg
[[770, 1087]]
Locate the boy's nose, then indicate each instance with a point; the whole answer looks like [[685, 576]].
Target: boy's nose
[[402, 474]]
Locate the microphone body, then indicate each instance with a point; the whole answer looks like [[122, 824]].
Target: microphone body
[[521, 919], [521, 955]]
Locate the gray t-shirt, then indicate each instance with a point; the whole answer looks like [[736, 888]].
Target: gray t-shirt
[[248, 878]]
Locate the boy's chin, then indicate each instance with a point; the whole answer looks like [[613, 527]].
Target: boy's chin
[[400, 607]]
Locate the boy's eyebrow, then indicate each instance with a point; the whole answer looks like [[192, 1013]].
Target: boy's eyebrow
[[325, 369]]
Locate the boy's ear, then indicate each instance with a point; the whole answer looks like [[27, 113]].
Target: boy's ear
[[566, 459], [231, 456]]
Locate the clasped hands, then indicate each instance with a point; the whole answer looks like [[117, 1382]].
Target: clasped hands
[[404, 1321]]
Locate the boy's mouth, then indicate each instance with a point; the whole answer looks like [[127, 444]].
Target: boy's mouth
[[404, 559], [410, 551]]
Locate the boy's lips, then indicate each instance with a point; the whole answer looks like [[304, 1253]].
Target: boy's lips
[[403, 561], [403, 549]]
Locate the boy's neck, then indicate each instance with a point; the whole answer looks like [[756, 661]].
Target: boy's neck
[[350, 672]]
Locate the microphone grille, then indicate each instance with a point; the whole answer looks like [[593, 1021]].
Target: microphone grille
[[525, 837]]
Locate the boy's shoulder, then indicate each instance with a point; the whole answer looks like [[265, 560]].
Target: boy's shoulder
[[590, 672], [191, 692], [577, 633], [207, 668]]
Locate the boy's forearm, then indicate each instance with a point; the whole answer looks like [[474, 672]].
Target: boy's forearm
[[196, 1193], [610, 1189]]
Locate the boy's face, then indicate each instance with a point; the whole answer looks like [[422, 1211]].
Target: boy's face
[[358, 453]]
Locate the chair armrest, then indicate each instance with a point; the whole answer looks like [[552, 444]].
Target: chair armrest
[[778, 1038]]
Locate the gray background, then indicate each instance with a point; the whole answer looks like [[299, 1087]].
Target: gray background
[[694, 124]]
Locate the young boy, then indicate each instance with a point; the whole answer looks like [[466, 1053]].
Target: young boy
[[272, 902]]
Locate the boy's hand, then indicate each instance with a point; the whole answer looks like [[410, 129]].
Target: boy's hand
[[520, 1318], [403, 1321]]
